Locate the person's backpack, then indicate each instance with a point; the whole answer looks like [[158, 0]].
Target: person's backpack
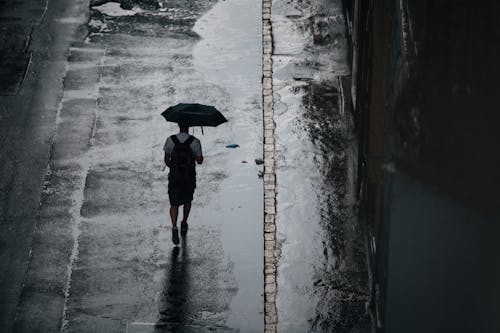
[[182, 169]]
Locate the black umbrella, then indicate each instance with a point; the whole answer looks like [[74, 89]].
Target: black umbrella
[[194, 115]]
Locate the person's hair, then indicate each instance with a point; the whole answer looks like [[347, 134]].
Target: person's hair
[[183, 127]]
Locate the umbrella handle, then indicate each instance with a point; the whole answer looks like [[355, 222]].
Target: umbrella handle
[[202, 130]]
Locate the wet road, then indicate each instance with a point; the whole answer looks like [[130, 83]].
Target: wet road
[[27, 121], [102, 254]]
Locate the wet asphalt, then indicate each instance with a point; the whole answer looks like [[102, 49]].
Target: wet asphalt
[[95, 253], [102, 241]]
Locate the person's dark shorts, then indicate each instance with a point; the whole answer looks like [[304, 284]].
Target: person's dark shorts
[[180, 194]]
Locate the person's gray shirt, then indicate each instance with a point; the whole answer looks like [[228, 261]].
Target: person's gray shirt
[[195, 145]]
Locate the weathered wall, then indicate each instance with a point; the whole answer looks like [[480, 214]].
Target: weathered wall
[[425, 95], [443, 78]]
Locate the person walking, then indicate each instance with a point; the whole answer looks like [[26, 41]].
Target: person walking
[[182, 152]]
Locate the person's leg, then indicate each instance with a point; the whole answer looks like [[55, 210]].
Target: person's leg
[[185, 211], [185, 215], [174, 212]]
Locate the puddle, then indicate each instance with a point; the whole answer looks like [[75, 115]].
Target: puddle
[[114, 9], [229, 56]]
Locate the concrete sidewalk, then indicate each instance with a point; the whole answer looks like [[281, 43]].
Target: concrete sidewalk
[[322, 273]]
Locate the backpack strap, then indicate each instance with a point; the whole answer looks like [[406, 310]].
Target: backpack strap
[[174, 139], [187, 142]]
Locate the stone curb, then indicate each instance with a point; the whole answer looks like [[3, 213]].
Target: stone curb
[[270, 260]]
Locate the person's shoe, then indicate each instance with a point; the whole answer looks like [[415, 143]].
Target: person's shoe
[[175, 235], [184, 227]]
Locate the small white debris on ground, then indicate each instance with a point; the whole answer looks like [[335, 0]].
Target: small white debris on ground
[[114, 9]]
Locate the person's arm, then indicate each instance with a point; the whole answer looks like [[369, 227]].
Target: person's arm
[[197, 151], [167, 159], [167, 148]]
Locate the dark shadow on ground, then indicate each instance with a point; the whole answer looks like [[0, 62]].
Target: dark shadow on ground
[[174, 299]]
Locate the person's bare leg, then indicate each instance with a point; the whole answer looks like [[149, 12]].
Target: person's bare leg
[[185, 211], [174, 212]]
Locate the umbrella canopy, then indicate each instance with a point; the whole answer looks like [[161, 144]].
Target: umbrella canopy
[[194, 115]]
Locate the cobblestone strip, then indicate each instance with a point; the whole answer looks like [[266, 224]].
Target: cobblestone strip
[[270, 315]]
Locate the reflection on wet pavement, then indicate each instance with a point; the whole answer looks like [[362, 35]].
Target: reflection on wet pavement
[[173, 308], [191, 295], [228, 56]]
